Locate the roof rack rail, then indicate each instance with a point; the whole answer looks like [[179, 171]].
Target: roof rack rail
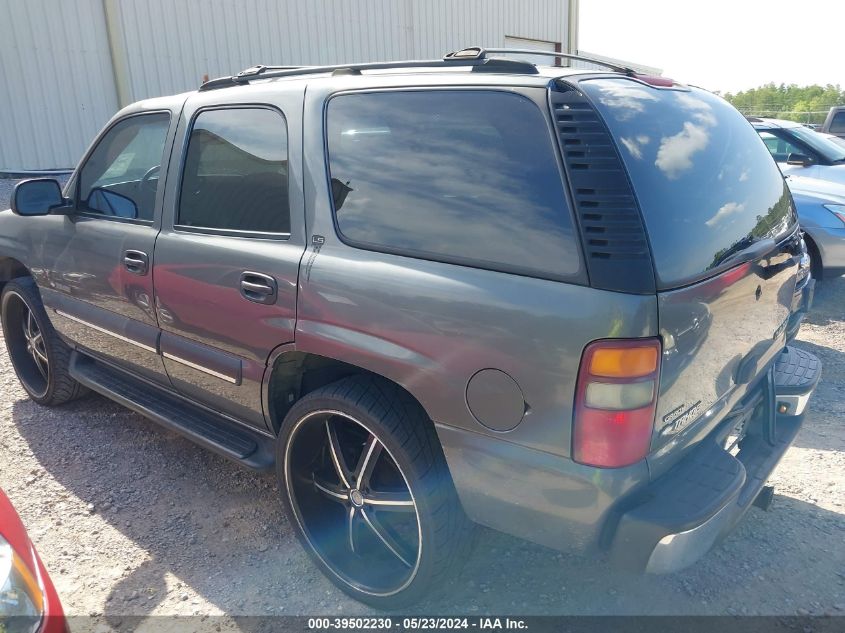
[[253, 72], [528, 51], [475, 57], [268, 72]]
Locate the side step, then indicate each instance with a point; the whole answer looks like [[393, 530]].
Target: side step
[[250, 448], [796, 374]]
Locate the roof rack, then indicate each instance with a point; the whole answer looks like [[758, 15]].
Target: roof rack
[[477, 51], [474, 57]]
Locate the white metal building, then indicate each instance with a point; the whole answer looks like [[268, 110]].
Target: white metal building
[[67, 65]]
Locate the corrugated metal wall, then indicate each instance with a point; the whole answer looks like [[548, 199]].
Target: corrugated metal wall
[[171, 45], [56, 81], [67, 86]]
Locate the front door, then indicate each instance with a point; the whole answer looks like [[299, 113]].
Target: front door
[[227, 259], [97, 275]]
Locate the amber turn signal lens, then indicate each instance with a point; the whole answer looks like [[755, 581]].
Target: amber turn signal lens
[[624, 362]]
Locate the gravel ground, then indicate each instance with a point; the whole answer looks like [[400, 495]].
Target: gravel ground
[[132, 520]]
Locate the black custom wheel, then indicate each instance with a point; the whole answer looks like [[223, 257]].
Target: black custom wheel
[[367, 487], [39, 357]]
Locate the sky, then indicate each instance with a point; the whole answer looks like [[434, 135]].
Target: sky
[[722, 45]]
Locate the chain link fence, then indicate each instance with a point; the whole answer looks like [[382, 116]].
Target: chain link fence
[[811, 117]]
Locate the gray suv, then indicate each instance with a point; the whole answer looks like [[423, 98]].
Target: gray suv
[[431, 294]]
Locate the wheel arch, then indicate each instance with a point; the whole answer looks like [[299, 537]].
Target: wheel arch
[[292, 373], [11, 268]]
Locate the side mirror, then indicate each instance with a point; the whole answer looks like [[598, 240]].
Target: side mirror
[[801, 160], [37, 196]]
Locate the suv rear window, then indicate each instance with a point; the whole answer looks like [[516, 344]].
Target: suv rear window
[[705, 182], [461, 176]]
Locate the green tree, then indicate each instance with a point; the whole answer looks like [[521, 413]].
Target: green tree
[[807, 104]]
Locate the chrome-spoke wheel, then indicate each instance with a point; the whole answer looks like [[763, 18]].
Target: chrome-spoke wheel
[[353, 503], [27, 344], [35, 343]]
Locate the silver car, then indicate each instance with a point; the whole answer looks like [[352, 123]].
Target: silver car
[[821, 213]]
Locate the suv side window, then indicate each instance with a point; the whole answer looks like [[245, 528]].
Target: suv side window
[[120, 177], [235, 176], [461, 176]]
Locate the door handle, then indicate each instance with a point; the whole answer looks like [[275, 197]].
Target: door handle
[[136, 262], [259, 288]]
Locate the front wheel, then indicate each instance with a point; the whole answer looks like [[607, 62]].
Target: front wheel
[[40, 358], [366, 486]]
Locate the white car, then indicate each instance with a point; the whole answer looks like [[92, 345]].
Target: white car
[[800, 151]]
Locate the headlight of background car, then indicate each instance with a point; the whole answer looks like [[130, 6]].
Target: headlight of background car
[[836, 209], [21, 600]]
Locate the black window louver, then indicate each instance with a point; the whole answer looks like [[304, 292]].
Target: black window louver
[[612, 232]]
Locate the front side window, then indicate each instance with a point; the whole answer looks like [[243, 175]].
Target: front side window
[[236, 172], [817, 143], [468, 177], [779, 147], [837, 125], [120, 178]]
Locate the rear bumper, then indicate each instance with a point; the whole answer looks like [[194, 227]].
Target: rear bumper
[[683, 514]]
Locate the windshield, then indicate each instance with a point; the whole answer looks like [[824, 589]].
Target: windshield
[[706, 184], [823, 145]]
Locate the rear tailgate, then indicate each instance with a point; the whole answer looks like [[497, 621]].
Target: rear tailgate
[[723, 236], [720, 336]]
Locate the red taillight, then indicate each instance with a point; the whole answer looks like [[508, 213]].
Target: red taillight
[[614, 402]]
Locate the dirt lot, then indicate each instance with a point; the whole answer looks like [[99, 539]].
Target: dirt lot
[[133, 520]]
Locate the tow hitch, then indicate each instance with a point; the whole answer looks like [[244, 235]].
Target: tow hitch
[[765, 497]]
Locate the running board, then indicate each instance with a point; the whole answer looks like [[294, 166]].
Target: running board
[[248, 447]]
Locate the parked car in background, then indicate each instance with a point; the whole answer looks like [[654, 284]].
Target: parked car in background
[[799, 150], [548, 301], [821, 213], [28, 600], [835, 122]]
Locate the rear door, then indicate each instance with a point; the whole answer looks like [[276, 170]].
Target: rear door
[[723, 235], [97, 258], [227, 258]]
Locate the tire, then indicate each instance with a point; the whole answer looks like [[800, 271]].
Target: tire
[[42, 373], [368, 544]]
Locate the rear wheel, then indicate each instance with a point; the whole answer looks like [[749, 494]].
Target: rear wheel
[[367, 488], [40, 358]]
